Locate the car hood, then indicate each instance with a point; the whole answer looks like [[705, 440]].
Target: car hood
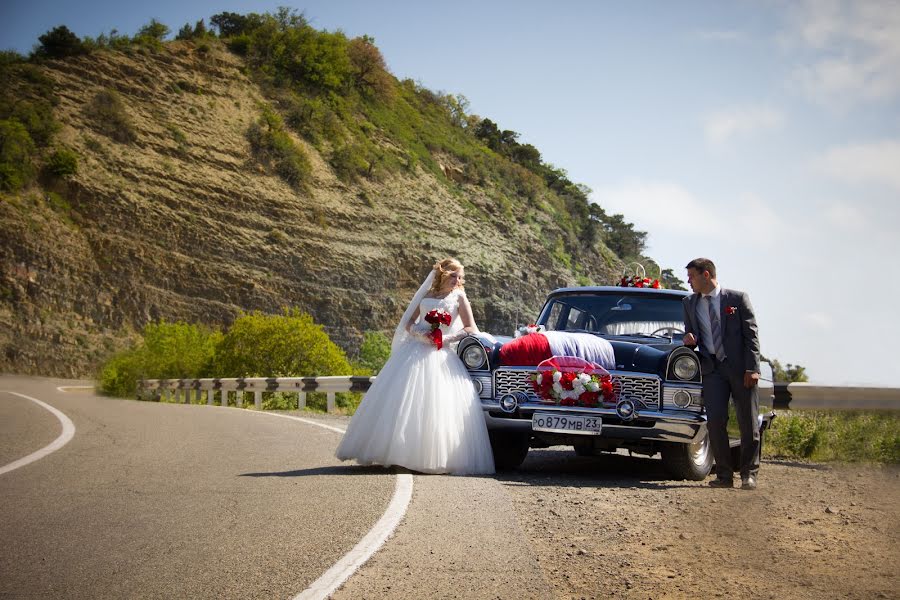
[[644, 355]]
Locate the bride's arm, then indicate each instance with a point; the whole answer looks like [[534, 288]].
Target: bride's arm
[[412, 321], [465, 313]]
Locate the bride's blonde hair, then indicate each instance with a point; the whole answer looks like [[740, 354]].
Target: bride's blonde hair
[[441, 270]]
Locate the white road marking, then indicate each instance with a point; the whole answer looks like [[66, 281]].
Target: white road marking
[[334, 577], [66, 388], [68, 431]]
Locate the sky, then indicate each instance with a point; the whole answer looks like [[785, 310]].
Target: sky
[[764, 135]]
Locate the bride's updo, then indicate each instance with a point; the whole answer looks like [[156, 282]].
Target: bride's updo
[[441, 270]]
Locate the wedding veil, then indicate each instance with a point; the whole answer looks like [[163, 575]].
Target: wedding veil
[[400, 334]]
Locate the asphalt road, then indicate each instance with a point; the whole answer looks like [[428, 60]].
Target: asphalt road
[[172, 501]]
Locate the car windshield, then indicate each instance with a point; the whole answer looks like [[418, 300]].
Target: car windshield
[[616, 314]]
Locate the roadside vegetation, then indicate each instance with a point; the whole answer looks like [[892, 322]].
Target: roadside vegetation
[[256, 345], [842, 436]]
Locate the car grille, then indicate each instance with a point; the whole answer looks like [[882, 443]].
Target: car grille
[[640, 387]]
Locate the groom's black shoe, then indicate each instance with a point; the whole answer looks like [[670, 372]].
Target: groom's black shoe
[[748, 483], [719, 482]]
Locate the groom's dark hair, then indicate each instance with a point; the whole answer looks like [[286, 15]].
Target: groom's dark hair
[[703, 264]]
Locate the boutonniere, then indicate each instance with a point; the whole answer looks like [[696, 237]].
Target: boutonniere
[[730, 310]]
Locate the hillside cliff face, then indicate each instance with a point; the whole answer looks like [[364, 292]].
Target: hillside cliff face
[[184, 223]]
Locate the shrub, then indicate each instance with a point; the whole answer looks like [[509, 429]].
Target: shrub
[[271, 143], [63, 163], [167, 351], [286, 345], [37, 117], [349, 162], [108, 114], [16, 150], [374, 351]]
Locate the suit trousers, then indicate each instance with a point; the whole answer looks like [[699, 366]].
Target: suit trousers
[[718, 386]]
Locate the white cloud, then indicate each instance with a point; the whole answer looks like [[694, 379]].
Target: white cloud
[[759, 221], [658, 206], [722, 126], [845, 217], [865, 163], [818, 320], [854, 50], [721, 36]]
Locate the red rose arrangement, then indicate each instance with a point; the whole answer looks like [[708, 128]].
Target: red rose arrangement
[[730, 310], [571, 381], [437, 318], [640, 282]]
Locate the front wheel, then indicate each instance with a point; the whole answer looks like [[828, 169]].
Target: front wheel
[[509, 447], [688, 461]]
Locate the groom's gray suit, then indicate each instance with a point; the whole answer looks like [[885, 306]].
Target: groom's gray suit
[[725, 378]]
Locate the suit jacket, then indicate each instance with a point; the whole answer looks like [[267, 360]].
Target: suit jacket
[[740, 336]]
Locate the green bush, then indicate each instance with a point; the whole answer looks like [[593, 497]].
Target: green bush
[[37, 117], [271, 143], [286, 345], [166, 351], [63, 162], [349, 162], [847, 436], [16, 150], [374, 351], [107, 112]]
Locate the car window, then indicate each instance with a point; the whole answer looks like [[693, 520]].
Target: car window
[[616, 314]]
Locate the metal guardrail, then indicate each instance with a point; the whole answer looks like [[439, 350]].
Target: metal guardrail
[[784, 396], [812, 396], [182, 388]]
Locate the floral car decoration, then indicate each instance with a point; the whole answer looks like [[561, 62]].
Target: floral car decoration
[[640, 282], [571, 381]]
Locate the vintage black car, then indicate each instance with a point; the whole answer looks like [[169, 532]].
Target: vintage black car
[[657, 405]]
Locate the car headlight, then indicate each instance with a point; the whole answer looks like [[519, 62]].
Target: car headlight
[[686, 367], [473, 356]]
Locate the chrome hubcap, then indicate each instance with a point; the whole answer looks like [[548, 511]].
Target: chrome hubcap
[[699, 451]]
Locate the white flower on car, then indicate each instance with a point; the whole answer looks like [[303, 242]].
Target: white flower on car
[[557, 376], [539, 378], [583, 378], [592, 386], [558, 388]]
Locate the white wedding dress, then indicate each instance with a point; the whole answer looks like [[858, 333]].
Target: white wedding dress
[[422, 411]]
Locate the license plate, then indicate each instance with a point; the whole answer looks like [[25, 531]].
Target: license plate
[[566, 423]]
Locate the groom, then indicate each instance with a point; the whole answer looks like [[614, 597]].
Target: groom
[[721, 322]]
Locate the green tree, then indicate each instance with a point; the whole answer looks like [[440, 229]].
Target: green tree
[[286, 345], [788, 374], [154, 30], [185, 33], [60, 42], [671, 281], [374, 351]]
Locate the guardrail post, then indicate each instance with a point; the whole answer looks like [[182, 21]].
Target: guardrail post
[[329, 406], [210, 397], [257, 399], [168, 394], [301, 400]]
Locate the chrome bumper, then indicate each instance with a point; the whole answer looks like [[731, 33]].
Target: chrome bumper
[[670, 426]]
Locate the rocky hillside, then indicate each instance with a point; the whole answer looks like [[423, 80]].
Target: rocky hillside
[[181, 220]]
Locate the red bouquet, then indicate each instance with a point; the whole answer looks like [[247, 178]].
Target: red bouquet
[[571, 381], [437, 318]]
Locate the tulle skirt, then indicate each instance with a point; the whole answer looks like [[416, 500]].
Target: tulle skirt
[[422, 413]]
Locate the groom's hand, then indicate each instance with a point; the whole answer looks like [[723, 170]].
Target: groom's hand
[[750, 379], [689, 339]]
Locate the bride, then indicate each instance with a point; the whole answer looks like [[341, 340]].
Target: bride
[[422, 411]]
